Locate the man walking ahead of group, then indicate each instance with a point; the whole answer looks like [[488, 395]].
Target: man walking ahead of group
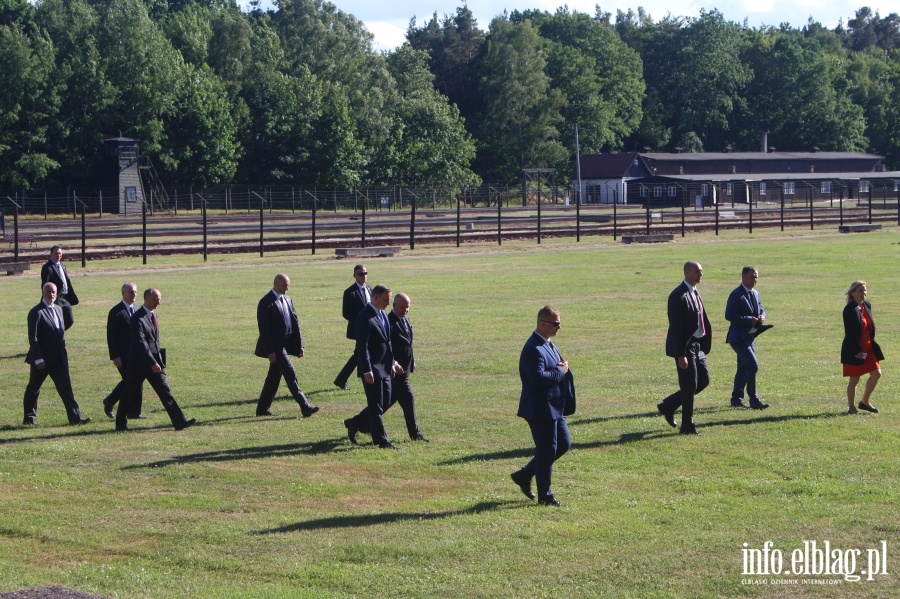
[[542, 405], [118, 332], [280, 338], [356, 297], [745, 312], [688, 341]]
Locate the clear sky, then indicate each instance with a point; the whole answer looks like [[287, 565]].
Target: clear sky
[[388, 20]]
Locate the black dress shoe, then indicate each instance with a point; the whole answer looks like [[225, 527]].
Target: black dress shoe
[[868, 408], [29, 422], [341, 386], [351, 431], [420, 437], [548, 500], [689, 431], [669, 416], [524, 483], [108, 410], [739, 404], [387, 445], [122, 429], [758, 405], [265, 413], [307, 412], [186, 424]]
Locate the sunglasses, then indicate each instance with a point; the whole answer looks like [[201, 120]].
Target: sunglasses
[[555, 323], [363, 273]]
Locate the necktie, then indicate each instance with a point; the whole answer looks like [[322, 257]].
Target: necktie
[[130, 311], [153, 320], [555, 351], [700, 311], [384, 323], [56, 319], [366, 295], [62, 277], [285, 314]]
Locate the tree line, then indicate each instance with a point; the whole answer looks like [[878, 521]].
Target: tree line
[[295, 94]]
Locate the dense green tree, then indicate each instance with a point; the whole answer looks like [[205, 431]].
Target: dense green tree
[[518, 128]]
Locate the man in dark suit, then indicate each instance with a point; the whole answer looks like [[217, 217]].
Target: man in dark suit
[[745, 312], [54, 271], [279, 338], [688, 341], [47, 356], [145, 362], [541, 404], [356, 297], [401, 390], [376, 366], [118, 327]]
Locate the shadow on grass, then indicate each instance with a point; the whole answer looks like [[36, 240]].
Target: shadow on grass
[[631, 437], [247, 453], [13, 357], [390, 518], [254, 401]]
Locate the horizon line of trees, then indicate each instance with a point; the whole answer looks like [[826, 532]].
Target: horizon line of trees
[[295, 94]]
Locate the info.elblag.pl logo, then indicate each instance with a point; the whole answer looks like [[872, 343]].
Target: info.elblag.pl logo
[[815, 563]]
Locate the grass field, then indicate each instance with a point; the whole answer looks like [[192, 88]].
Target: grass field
[[285, 507]]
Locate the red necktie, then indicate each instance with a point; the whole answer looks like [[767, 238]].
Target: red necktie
[[153, 320], [700, 305]]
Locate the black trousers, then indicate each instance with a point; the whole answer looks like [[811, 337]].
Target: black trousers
[[347, 371], [378, 398], [281, 368], [691, 381], [401, 393], [59, 373], [110, 400], [159, 382]]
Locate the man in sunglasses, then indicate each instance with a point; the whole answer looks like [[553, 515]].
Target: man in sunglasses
[[545, 386], [356, 297]]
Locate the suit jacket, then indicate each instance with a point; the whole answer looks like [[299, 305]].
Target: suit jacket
[[50, 275], [272, 334], [143, 344], [684, 320], [373, 345], [402, 341], [543, 382], [740, 312], [118, 327], [354, 302], [45, 340], [853, 330]]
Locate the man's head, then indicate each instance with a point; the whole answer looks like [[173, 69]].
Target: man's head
[[129, 292], [548, 321], [56, 253], [49, 293], [749, 276], [281, 284], [401, 304], [381, 297], [693, 272], [360, 273], [152, 298]]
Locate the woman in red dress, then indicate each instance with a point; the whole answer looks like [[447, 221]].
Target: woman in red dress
[[859, 351]]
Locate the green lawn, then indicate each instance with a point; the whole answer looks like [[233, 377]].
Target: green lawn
[[286, 507]]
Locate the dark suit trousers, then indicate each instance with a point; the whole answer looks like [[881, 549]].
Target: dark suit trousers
[[378, 398], [282, 368], [745, 375], [60, 376], [551, 441], [402, 393], [114, 395], [347, 371], [160, 384], [691, 381]]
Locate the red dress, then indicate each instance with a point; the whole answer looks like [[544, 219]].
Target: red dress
[[865, 342]]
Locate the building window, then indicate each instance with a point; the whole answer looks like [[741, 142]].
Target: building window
[[729, 189], [826, 187], [704, 190], [788, 187], [643, 191], [131, 194], [863, 187], [657, 191], [762, 189], [673, 193]]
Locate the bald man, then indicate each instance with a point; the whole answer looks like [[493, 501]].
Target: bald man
[[280, 338]]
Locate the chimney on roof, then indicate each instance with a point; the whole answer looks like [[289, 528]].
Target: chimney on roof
[[764, 143]]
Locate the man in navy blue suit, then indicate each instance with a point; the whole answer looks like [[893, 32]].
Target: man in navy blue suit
[[118, 327], [745, 312], [542, 403], [375, 366], [356, 297]]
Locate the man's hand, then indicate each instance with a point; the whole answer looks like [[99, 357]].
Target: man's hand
[[156, 368], [272, 358], [397, 370], [682, 362], [117, 362], [565, 366], [369, 378]]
